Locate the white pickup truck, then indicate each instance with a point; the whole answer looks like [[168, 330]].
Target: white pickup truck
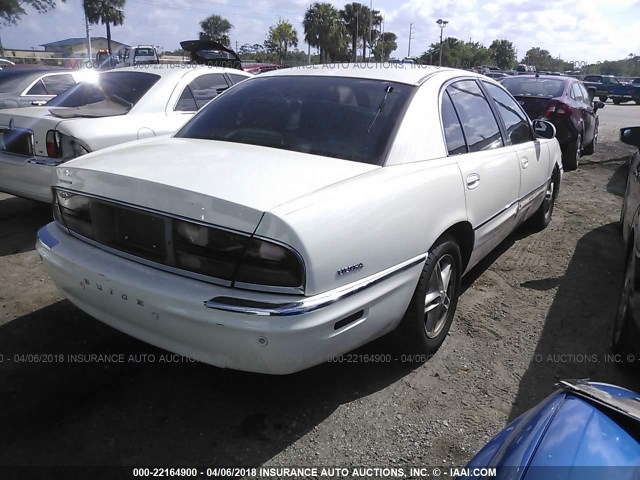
[[140, 55]]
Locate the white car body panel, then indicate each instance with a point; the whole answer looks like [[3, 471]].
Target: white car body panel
[[152, 116], [334, 213]]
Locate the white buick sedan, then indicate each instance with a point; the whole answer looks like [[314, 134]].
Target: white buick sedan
[[117, 107], [302, 214]]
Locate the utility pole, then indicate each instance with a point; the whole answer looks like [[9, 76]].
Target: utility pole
[[86, 23], [441, 23], [410, 37], [382, 39], [370, 25]]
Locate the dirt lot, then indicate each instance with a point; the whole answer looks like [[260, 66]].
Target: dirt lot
[[538, 310]]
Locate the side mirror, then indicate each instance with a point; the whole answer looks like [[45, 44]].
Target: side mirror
[[630, 136], [598, 105], [544, 129]]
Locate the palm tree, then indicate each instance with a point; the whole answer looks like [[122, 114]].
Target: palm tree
[[324, 29], [216, 28], [355, 18], [374, 21], [107, 12], [281, 36]]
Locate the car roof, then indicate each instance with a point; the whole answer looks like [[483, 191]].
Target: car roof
[[167, 70], [397, 72]]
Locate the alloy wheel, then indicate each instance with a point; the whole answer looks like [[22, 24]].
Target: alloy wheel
[[440, 290]]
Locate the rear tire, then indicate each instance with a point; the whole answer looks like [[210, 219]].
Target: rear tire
[[431, 310], [571, 154], [541, 219]]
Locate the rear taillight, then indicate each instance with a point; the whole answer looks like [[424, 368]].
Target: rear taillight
[[54, 146], [267, 263], [558, 109]]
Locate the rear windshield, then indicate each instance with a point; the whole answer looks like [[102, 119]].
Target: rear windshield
[[15, 80], [129, 87], [347, 118], [144, 52], [534, 87]]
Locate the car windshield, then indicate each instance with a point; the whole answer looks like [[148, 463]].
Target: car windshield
[[347, 118], [534, 87], [123, 87]]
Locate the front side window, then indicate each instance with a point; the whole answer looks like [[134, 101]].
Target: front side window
[[515, 119], [122, 87], [478, 123], [348, 118], [452, 128]]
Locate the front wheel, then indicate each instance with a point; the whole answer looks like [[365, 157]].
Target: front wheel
[[427, 320], [571, 154]]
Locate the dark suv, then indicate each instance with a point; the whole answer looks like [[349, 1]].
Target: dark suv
[[565, 102]]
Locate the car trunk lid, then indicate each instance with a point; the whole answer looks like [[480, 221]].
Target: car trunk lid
[[221, 183], [535, 107]]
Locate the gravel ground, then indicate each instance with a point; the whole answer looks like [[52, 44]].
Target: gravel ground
[[539, 309]]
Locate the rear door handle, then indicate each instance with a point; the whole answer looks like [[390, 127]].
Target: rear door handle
[[473, 180]]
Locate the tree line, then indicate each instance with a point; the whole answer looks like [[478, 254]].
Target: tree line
[[341, 35]]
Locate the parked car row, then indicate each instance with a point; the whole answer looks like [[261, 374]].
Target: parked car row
[[304, 212]]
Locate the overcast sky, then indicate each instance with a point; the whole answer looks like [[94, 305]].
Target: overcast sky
[[575, 30]]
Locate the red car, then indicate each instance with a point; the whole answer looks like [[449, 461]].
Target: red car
[[565, 102]]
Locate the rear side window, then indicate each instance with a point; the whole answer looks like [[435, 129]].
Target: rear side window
[[478, 123], [37, 89], [202, 89], [452, 128], [577, 93], [57, 84], [236, 78], [515, 120]]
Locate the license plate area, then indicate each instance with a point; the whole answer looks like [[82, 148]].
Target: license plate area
[[139, 233]]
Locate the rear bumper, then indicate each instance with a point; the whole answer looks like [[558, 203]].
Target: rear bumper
[[27, 177], [169, 310]]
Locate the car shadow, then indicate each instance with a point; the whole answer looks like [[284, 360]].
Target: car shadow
[[126, 406], [575, 338], [20, 220], [618, 181]]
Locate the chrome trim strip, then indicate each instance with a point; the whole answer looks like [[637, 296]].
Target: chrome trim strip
[[511, 205], [308, 304]]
